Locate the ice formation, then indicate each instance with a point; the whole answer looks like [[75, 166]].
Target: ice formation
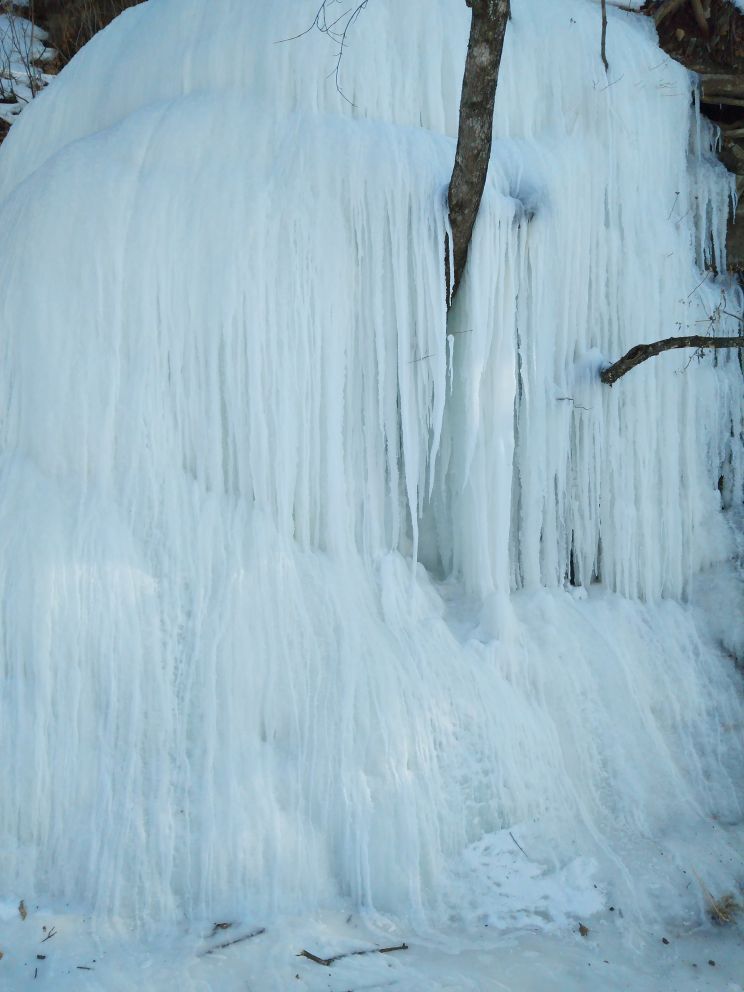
[[310, 596]]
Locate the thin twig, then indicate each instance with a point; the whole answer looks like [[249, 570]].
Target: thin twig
[[327, 962], [510, 833], [613, 83], [577, 406], [229, 943], [605, 63], [704, 279], [698, 353], [336, 34]]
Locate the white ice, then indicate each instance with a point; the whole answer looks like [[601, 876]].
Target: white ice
[[315, 601]]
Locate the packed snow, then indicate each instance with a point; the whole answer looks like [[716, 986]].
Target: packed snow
[[324, 612]]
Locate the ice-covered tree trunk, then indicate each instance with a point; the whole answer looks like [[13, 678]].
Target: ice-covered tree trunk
[[487, 30]]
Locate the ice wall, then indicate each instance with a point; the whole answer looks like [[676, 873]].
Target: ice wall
[[235, 417]]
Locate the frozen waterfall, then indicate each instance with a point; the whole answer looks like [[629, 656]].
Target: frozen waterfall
[[310, 594]]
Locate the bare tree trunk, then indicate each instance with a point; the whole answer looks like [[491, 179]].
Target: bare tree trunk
[[642, 352], [475, 132]]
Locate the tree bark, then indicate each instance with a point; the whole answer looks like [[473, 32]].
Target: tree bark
[[667, 8], [642, 352], [475, 131], [603, 46]]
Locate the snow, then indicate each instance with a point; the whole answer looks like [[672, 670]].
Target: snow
[[22, 50], [288, 628], [466, 961]]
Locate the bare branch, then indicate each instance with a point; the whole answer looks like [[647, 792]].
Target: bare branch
[[337, 30], [642, 352], [605, 63]]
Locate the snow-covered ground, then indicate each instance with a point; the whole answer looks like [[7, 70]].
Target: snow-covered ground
[[23, 50], [324, 612], [82, 958]]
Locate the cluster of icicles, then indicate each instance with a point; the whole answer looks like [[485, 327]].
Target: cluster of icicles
[[294, 567]]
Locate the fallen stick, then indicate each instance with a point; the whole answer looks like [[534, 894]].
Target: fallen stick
[[327, 962], [229, 943], [517, 842], [313, 957]]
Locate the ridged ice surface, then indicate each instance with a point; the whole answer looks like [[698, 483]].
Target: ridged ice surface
[[310, 596]]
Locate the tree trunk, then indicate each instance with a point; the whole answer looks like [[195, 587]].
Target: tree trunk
[[642, 352], [475, 132]]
